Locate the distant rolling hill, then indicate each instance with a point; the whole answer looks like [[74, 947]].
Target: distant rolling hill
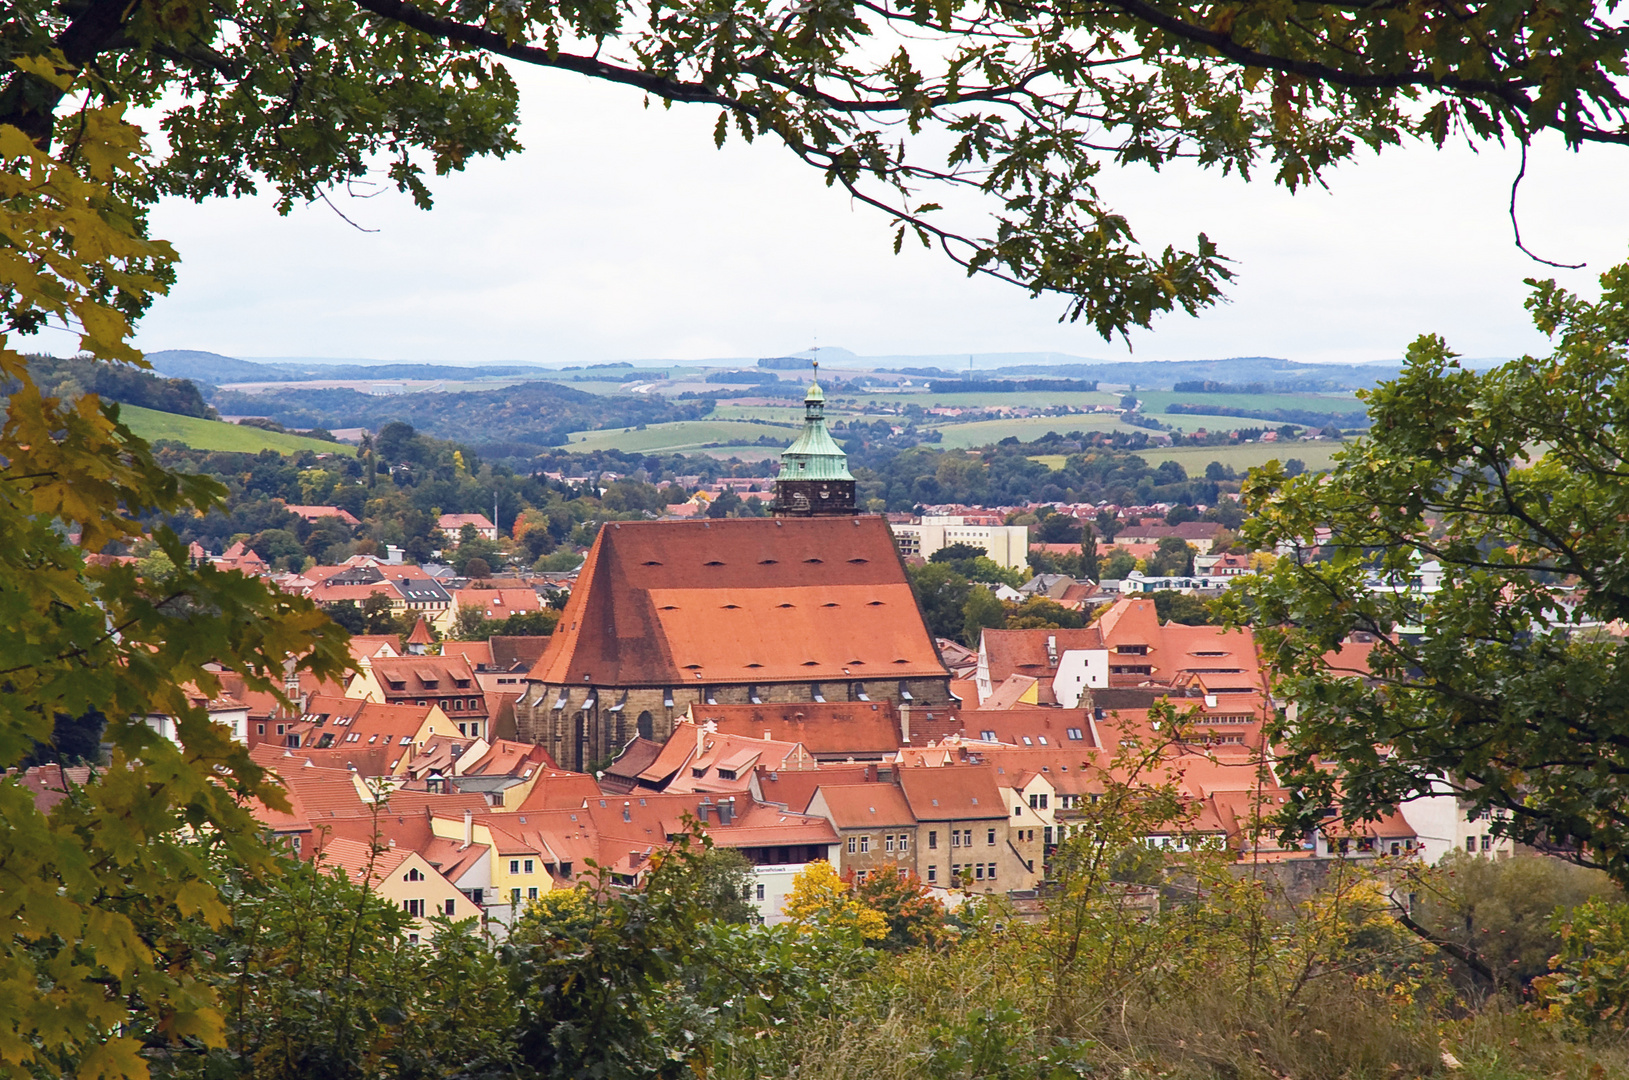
[[213, 368], [210, 367], [216, 435]]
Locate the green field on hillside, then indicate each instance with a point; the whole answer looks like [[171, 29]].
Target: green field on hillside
[[1035, 399], [679, 436], [775, 414], [1155, 401], [985, 432], [1316, 455], [215, 435]]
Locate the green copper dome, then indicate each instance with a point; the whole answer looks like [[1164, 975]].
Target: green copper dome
[[814, 455]]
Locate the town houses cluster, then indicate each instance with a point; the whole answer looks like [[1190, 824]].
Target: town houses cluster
[[772, 682]]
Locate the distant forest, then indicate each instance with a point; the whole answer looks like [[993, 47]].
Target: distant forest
[[530, 413], [70, 377]]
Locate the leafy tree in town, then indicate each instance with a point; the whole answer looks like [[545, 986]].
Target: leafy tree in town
[[821, 899], [378, 617], [959, 552], [320, 980], [942, 595], [1183, 608], [1494, 686], [1173, 557], [1090, 566], [1119, 564], [982, 611], [913, 917], [1039, 612]]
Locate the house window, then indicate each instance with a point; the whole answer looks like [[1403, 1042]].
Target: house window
[[514, 866], [933, 874], [412, 939], [904, 842], [514, 896], [865, 844], [967, 838], [1046, 834], [955, 838], [452, 906], [414, 908], [413, 875], [991, 872], [1018, 811], [531, 866], [888, 842], [1076, 734], [991, 839], [760, 892], [933, 839], [260, 729], [531, 893], [1470, 843], [978, 871], [1043, 800], [1487, 843], [851, 845], [294, 842], [1034, 802]]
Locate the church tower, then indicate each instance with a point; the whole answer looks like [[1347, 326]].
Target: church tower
[[814, 480]]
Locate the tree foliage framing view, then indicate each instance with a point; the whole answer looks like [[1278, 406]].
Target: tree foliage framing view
[[1037, 99]]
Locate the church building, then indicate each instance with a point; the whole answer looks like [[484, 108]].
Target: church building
[[811, 605]]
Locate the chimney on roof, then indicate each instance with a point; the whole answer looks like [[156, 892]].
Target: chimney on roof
[[726, 810], [469, 828], [904, 722], [701, 740], [1052, 650], [769, 736], [704, 808]]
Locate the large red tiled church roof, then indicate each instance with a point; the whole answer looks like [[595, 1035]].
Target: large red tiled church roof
[[740, 601]]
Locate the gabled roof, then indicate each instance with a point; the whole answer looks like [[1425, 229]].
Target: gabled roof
[[793, 790], [476, 654], [455, 522], [1031, 725], [431, 676], [420, 634], [953, 793], [740, 600], [498, 604], [312, 513], [832, 729], [1014, 691], [511, 652], [1034, 653], [371, 645], [860, 806], [356, 859]]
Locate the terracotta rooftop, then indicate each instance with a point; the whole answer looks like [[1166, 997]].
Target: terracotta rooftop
[[859, 806], [953, 793], [828, 730], [740, 600]]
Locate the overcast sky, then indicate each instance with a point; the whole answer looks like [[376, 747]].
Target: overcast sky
[[622, 234]]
